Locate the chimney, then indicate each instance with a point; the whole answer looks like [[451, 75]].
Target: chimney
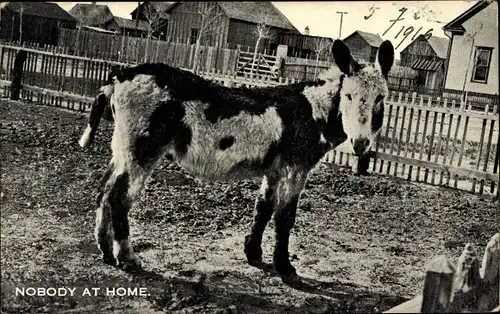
[[306, 31]]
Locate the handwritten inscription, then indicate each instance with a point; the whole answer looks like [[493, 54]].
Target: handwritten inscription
[[372, 10], [405, 31]]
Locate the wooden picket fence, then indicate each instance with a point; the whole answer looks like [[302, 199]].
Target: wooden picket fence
[[464, 288], [138, 50], [436, 142], [427, 140]]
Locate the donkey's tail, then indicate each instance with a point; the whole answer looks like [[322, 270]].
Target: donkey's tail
[[101, 106]]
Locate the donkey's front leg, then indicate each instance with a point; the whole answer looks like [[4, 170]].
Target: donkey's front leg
[[287, 195], [284, 221], [264, 208]]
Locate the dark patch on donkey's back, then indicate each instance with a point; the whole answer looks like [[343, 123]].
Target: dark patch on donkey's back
[[165, 126]]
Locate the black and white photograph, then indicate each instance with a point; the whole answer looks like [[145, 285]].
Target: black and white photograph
[[236, 157]]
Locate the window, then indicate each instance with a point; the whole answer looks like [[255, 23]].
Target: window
[[194, 36], [482, 64]]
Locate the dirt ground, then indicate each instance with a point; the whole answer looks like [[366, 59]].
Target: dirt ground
[[361, 244]]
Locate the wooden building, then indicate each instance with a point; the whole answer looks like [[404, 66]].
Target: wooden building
[[473, 64], [363, 45], [154, 12], [41, 22], [305, 46], [232, 24], [94, 15], [127, 27], [428, 57]]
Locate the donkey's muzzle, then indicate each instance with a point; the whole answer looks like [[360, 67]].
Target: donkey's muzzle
[[360, 146]]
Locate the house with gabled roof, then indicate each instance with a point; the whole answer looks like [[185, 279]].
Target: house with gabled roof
[[427, 55], [94, 15], [150, 7], [472, 63], [41, 21], [154, 13], [363, 45], [232, 24]]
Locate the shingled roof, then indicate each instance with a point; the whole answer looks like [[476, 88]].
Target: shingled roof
[[131, 24], [156, 5], [440, 46], [91, 14], [455, 26], [373, 40], [254, 12], [43, 9]]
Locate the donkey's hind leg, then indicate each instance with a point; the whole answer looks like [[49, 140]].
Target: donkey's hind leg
[[122, 188], [264, 208], [103, 233]]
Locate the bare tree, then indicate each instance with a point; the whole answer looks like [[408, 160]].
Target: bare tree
[[22, 7], [320, 45], [156, 19], [261, 31], [210, 22]]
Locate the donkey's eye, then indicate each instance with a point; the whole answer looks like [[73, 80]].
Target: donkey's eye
[[349, 96], [379, 99]]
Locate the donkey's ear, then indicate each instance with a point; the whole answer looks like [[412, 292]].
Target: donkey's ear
[[343, 58], [385, 57]]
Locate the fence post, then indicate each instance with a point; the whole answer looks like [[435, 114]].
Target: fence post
[[438, 285], [17, 74]]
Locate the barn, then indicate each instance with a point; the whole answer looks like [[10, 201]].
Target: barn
[[41, 22], [428, 57], [230, 23], [363, 45], [94, 15], [305, 46]]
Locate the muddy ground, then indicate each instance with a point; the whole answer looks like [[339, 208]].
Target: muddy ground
[[360, 243]]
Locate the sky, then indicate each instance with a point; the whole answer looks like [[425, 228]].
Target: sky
[[323, 20]]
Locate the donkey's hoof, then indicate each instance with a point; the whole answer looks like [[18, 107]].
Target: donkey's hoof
[[131, 264], [292, 279], [257, 262], [285, 270], [109, 260], [253, 253]]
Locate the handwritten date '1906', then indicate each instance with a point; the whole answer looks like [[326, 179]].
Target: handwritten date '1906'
[[405, 32]]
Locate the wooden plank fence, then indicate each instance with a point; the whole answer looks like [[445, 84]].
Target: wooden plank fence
[[433, 141], [441, 143], [464, 288], [138, 50]]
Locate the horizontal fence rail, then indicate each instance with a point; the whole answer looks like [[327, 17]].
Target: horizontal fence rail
[[433, 140]]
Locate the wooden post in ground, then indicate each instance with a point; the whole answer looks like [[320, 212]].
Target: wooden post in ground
[[438, 285], [464, 289], [17, 74]]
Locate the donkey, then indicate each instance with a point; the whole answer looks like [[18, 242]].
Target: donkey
[[219, 133]]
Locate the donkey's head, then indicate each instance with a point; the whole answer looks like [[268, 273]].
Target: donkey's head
[[362, 94]]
